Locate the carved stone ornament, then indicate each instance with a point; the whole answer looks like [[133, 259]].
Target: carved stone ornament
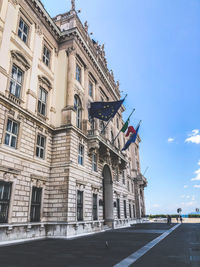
[[86, 26], [73, 5], [14, 2], [45, 81], [70, 50], [20, 57], [38, 29]]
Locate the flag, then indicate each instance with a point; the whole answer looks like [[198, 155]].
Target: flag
[[132, 138], [104, 110], [130, 130], [125, 126]]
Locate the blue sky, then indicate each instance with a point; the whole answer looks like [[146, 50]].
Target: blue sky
[[153, 47]]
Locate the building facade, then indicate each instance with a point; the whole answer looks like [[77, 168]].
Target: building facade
[[60, 174]]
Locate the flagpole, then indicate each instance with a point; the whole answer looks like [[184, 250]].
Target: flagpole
[[110, 119], [122, 127]]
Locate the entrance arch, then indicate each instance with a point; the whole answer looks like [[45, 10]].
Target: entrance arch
[[107, 196]]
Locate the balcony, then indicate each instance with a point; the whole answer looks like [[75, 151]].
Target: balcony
[[141, 180], [98, 142]]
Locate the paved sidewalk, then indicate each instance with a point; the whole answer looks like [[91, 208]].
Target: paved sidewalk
[[84, 251]]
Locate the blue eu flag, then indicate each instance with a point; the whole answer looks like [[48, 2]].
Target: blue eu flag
[[104, 110]]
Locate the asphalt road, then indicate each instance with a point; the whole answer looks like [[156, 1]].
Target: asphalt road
[[181, 248]]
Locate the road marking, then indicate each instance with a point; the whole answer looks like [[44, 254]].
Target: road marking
[[139, 253]]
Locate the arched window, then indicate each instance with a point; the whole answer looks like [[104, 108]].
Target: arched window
[[77, 106]]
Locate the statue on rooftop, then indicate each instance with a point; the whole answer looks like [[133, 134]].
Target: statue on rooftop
[[73, 4], [86, 26]]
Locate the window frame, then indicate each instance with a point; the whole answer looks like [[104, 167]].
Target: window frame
[[118, 208], [15, 81], [5, 201], [95, 207], [125, 211], [94, 162], [78, 109], [40, 147], [36, 205], [81, 154], [79, 206], [11, 134], [78, 75], [45, 58], [91, 89], [21, 18], [39, 101]]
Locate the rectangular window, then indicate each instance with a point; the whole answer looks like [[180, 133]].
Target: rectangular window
[[11, 133], [42, 101], [133, 211], [94, 210], [79, 205], [78, 73], [5, 193], [46, 56], [90, 89], [123, 177], [125, 215], [130, 213], [40, 147], [117, 175], [16, 81], [36, 204], [128, 186], [94, 162], [132, 187], [23, 30], [118, 208], [80, 154]]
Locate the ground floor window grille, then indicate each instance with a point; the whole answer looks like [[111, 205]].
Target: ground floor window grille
[[134, 211], [125, 215], [36, 204], [118, 208], [79, 205], [5, 192], [95, 217], [130, 213]]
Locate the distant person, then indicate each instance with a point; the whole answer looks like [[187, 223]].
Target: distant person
[[177, 218], [181, 219], [168, 219]]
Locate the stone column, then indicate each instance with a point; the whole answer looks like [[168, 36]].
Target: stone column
[[68, 113]]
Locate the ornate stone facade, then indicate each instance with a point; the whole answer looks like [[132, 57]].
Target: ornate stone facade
[[59, 174]]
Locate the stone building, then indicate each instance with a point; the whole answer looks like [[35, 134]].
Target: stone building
[[59, 175]]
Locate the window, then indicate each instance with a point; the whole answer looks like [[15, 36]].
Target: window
[[16, 81], [123, 177], [94, 210], [40, 147], [132, 187], [118, 208], [130, 213], [117, 174], [133, 211], [128, 186], [36, 204], [77, 106], [80, 154], [46, 56], [42, 101], [94, 162], [5, 192], [90, 89], [117, 123], [125, 215], [78, 73], [79, 205], [23, 30], [11, 133]]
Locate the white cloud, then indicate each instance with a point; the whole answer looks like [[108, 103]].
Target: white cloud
[[170, 140], [155, 205], [194, 137], [182, 196], [197, 172], [187, 196], [185, 186], [197, 186]]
